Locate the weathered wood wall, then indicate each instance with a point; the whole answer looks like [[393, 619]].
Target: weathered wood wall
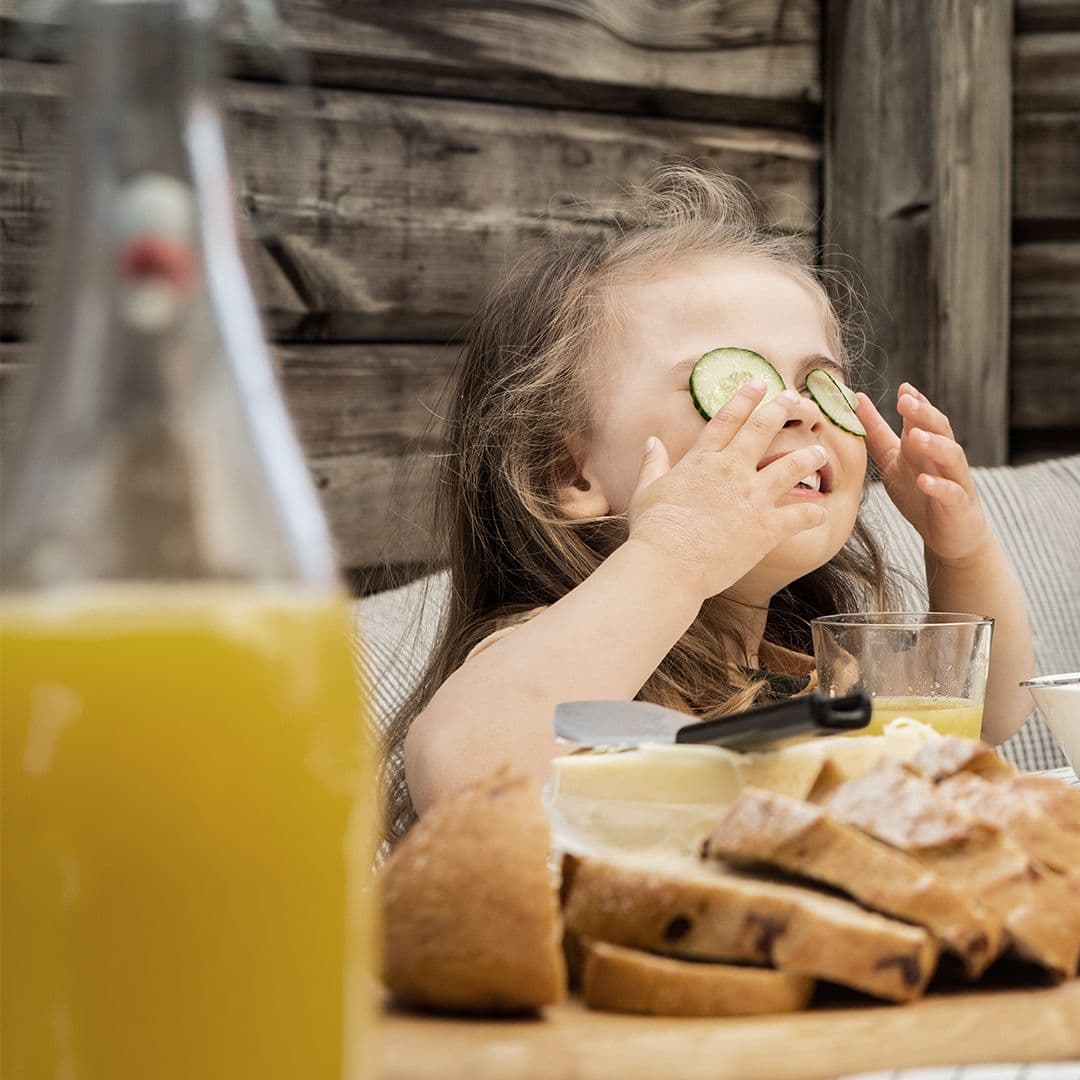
[[924, 216], [1045, 326], [443, 136]]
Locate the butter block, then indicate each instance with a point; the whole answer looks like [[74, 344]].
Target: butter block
[[670, 795]]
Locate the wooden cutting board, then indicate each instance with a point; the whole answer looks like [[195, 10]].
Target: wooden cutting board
[[960, 1028]]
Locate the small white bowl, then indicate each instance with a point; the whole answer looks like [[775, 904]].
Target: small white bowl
[[1057, 697]]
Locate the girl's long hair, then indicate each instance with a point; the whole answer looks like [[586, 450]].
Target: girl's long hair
[[523, 396]]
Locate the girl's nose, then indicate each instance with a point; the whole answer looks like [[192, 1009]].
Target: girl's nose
[[807, 413]]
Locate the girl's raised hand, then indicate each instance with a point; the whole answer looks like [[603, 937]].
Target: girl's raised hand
[[713, 513], [927, 476]]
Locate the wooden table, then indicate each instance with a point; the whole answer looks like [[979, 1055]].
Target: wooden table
[[957, 1028]]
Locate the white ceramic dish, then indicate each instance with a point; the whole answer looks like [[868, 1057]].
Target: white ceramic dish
[[1057, 697]]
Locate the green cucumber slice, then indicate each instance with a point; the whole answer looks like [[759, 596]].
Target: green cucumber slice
[[835, 400], [849, 394], [719, 374]]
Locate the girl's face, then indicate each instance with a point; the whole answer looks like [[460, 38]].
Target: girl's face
[[668, 321]]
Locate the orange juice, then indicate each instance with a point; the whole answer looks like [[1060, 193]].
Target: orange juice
[[949, 716], [181, 769]]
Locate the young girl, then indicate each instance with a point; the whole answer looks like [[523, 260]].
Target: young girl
[[604, 541]]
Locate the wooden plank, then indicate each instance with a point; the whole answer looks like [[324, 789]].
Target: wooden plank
[[929, 88], [408, 207], [1047, 73], [1036, 15], [1044, 379], [752, 61], [367, 418], [979, 1026], [1047, 166], [1027, 446], [970, 233]]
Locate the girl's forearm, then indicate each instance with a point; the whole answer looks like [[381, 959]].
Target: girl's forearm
[[602, 640], [987, 585]]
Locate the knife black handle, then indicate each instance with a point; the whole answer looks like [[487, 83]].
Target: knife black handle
[[770, 725]]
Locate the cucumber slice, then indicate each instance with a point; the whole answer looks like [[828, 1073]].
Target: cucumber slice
[[719, 374], [835, 400], [849, 394]]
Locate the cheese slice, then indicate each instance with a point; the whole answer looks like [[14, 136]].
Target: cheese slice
[[650, 773], [670, 795]]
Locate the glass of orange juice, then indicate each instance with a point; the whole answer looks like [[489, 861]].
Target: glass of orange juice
[[927, 665]]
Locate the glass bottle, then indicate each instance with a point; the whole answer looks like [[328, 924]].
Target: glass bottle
[[185, 825]]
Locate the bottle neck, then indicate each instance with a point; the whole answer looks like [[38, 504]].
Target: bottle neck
[[140, 67], [156, 444]]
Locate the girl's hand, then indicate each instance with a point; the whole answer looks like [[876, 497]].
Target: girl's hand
[[926, 474], [714, 515]]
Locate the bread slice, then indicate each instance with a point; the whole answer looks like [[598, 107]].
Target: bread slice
[[616, 979], [1040, 911], [677, 906], [470, 916], [1059, 801], [1019, 812], [763, 827], [946, 757]]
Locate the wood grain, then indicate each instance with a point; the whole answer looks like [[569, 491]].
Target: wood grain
[[570, 1042], [1044, 378], [1034, 15], [970, 230], [404, 207], [755, 61], [368, 420], [1046, 166], [926, 216], [1047, 73]]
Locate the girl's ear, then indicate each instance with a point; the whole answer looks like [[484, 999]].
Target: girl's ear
[[582, 498]]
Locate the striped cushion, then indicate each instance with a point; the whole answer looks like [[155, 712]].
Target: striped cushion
[[1035, 511]]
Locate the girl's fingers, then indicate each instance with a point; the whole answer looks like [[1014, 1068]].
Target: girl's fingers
[[946, 455], [654, 464], [881, 440], [784, 473], [914, 449], [943, 491], [907, 388], [729, 419], [917, 411], [755, 436]]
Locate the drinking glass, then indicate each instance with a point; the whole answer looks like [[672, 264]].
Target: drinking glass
[[929, 666]]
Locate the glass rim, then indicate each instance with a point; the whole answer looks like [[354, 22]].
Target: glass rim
[[1066, 678], [906, 620]]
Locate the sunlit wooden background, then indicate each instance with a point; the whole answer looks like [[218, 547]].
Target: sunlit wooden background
[[931, 145]]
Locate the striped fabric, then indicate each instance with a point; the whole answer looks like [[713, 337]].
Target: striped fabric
[[1035, 511]]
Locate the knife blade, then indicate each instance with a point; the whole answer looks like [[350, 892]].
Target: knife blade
[[765, 727]]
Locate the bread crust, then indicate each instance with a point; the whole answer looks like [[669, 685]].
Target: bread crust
[[1040, 909], [470, 917], [763, 827], [618, 979], [679, 907]]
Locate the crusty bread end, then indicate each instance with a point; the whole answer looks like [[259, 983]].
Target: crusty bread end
[[470, 916]]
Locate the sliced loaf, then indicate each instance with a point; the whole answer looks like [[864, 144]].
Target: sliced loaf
[[775, 830], [678, 907], [1040, 911], [618, 979]]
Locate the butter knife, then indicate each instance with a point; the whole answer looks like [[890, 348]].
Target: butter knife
[[765, 727]]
